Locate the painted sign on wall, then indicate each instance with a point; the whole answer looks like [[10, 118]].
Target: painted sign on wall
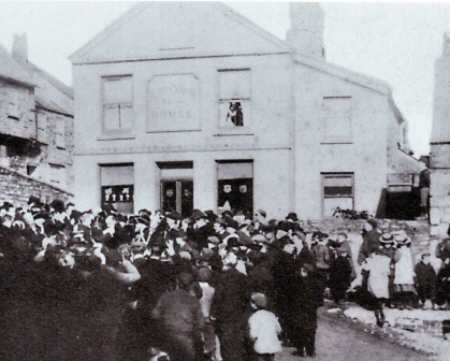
[[172, 102]]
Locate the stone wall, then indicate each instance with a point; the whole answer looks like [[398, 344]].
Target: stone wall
[[418, 231], [440, 202], [17, 188], [440, 146], [16, 110]]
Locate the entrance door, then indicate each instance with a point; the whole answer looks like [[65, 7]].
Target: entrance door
[[177, 195]]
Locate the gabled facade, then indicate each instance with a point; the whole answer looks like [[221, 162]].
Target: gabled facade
[[182, 105], [36, 120]]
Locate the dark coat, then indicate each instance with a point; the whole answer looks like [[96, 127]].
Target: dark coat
[[443, 249], [179, 312], [180, 317], [284, 270], [200, 236], [307, 299], [341, 273], [231, 298], [425, 275], [371, 243]]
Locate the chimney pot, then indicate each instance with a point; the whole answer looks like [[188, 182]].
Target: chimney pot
[[20, 48], [307, 26]]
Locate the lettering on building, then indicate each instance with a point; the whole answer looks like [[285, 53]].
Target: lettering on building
[[172, 102]]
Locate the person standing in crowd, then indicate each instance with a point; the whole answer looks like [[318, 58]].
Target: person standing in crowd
[[425, 281], [322, 258], [307, 299], [443, 248], [389, 249], [443, 285], [404, 291], [204, 276], [340, 275], [229, 304], [370, 240], [264, 330], [181, 319], [377, 266]]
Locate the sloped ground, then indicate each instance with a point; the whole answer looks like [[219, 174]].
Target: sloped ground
[[419, 329], [339, 340]]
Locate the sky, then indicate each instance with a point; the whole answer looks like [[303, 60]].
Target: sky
[[395, 42]]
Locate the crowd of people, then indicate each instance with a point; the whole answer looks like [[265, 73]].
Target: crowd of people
[[391, 276], [156, 286]]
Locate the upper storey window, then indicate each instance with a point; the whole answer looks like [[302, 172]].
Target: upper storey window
[[336, 119], [234, 98], [117, 103], [13, 106]]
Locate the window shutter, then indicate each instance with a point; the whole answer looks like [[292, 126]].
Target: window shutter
[[59, 132], [42, 124]]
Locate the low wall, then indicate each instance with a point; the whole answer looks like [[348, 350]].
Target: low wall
[[418, 231], [17, 188]]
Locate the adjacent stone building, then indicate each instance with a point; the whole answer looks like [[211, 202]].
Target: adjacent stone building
[[440, 145], [182, 105], [36, 128]]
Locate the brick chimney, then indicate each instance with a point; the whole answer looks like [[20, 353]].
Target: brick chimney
[[307, 26], [20, 48]]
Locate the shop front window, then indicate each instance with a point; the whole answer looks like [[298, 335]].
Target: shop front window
[[235, 186], [117, 186]]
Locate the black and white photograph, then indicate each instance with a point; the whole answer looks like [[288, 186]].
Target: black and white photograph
[[224, 181]]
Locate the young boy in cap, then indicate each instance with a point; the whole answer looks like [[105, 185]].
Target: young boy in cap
[[425, 281], [340, 275], [264, 329]]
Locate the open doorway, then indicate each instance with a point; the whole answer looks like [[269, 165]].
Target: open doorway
[[176, 187]]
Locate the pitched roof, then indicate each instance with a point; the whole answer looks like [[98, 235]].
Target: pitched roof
[[43, 97], [58, 84], [340, 72], [80, 55], [319, 64], [12, 71], [51, 105], [404, 163]]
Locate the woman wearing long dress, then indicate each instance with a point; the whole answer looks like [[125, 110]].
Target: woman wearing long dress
[[378, 267], [404, 291]]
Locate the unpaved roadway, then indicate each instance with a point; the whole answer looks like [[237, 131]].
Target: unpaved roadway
[[336, 340]]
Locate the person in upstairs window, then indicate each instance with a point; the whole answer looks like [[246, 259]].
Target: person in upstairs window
[[235, 114]]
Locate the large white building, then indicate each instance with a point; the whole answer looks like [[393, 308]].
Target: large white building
[[181, 105]]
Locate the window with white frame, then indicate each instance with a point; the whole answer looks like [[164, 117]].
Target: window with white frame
[[338, 191], [234, 98], [336, 119], [117, 103]]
